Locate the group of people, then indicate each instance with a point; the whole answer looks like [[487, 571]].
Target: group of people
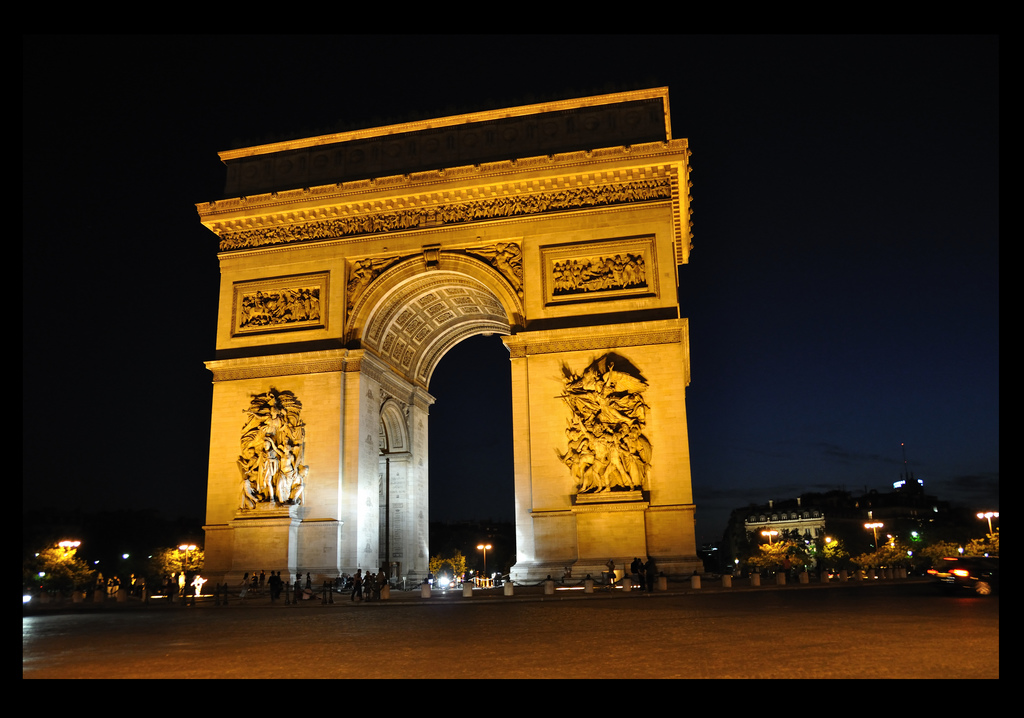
[[643, 574], [134, 585], [367, 587], [275, 584]]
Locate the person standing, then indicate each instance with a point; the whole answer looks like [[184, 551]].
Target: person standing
[[649, 570], [357, 585]]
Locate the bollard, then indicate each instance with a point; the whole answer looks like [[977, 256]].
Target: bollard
[[385, 592], [425, 590], [824, 577], [78, 597], [467, 590], [802, 577], [627, 584], [549, 587], [755, 579], [727, 581], [695, 581], [843, 576], [508, 588], [122, 595], [661, 582], [780, 579], [588, 584]]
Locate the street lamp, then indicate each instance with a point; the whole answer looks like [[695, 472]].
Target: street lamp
[[769, 534], [186, 548], [874, 527], [484, 546], [988, 515], [68, 548]]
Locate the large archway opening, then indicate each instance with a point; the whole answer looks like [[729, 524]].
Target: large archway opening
[[438, 332], [471, 465]]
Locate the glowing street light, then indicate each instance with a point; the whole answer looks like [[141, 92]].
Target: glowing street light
[[186, 548], [988, 515], [769, 534], [874, 527], [484, 546], [68, 548]]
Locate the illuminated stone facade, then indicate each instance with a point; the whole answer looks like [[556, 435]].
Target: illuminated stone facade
[[351, 263]]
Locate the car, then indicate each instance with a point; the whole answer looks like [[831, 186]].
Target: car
[[978, 574]]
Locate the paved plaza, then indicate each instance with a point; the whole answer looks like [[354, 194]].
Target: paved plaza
[[882, 629]]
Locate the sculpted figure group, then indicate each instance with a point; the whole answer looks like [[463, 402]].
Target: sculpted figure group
[[283, 306], [607, 449], [594, 274], [273, 444]]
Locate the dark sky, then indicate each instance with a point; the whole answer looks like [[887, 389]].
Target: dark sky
[[843, 289]]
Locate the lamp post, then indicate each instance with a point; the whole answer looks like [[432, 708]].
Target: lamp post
[[484, 546], [874, 527], [769, 534], [988, 515], [186, 548]]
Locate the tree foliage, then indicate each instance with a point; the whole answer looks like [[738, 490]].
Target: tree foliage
[[171, 561], [57, 570], [779, 555], [454, 565]]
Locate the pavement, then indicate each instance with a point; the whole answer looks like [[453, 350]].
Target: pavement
[[534, 592]]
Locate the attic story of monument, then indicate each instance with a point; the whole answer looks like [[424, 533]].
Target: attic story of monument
[[352, 263]]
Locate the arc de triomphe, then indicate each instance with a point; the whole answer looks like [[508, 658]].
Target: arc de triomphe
[[351, 263]]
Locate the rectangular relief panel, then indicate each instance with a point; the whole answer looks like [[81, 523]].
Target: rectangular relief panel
[[621, 268], [280, 304]]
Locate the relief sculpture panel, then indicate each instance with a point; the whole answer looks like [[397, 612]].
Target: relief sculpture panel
[[280, 303], [272, 462], [602, 270], [607, 447]]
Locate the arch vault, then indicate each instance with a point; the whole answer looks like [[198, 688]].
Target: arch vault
[[351, 263]]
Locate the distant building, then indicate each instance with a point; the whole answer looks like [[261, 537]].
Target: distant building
[[790, 519], [906, 512]]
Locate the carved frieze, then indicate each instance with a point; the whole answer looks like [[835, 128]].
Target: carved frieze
[[607, 449], [447, 212], [507, 258], [363, 271], [599, 270], [280, 303], [273, 445]]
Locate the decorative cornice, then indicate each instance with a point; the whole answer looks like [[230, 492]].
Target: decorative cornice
[[281, 365], [370, 218], [622, 335]]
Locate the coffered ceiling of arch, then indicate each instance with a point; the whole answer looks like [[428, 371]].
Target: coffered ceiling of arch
[[417, 323]]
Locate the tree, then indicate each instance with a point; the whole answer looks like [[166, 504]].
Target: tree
[[57, 570], [171, 561], [455, 564], [834, 554], [774, 556], [892, 554]]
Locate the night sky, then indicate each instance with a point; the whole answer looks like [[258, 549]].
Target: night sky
[[842, 291]]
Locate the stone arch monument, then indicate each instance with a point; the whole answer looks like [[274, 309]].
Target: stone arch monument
[[351, 263]]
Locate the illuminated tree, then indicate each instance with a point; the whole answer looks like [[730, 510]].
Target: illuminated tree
[[456, 564], [774, 556], [834, 554], [57, 569], [170, 561]]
